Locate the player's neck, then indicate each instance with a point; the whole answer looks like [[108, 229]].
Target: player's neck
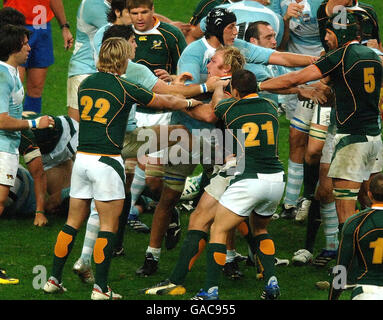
[[214, 42]]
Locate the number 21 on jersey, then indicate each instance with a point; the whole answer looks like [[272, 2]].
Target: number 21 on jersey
[[253, 129]]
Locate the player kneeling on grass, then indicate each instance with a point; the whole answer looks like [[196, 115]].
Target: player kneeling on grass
[[105, 100]]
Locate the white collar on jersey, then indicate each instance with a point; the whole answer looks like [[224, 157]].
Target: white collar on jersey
[[151, 31]]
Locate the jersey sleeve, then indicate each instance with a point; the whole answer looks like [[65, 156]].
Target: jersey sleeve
[[221, 108], [179, 46], [201, 11], [5, 92], [328, 62], [276, 6], [95, 14], [191, 63], [140, 74], [252, 52], [138, 93]]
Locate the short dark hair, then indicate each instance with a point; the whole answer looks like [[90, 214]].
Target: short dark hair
[[376, 187], [132, 4], [244, 81], [119, 31], [116, 5], [10, 15], [252, 30], [11, 40]]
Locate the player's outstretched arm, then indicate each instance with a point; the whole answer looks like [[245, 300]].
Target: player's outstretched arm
[[12, 124], [291, 79], [289, 59], [170, 102]]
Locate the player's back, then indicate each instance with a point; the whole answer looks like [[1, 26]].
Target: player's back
[[105, 101], [257, 119], [356, 72], [91, 15], [367, 232]]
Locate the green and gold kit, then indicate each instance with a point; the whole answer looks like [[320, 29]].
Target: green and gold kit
[[160, 47], [356, 72], [257, 119], [361, 246], [105, 101]]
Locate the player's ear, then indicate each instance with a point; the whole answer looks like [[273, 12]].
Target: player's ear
[[235, 93], [370, 195]]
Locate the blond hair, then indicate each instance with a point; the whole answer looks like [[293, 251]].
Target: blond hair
[[232, 57], [113, 56]]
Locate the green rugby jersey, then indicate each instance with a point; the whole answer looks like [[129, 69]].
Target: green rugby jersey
[[356, 76], [203, 8], [257, 119], [160, 47], [362, 239], [105, 101]]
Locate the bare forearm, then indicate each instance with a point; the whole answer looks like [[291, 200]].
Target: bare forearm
[[36, 169], [58, 10], [12, 124]]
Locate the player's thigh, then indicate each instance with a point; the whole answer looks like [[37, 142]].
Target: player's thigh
[[224, 222], [203, 215], [302, 116], [78, 212], [109, 212]]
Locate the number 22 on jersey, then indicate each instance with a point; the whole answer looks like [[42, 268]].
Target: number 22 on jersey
[[101, 104]]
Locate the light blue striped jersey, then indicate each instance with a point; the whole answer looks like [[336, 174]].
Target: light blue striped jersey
[[304, 32], [97, 41], [252, 11], [91, 15], [11, 102], [197, 55], [138, 73]]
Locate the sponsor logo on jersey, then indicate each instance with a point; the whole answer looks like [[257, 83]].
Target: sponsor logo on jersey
[[157, 44], [142, 38]]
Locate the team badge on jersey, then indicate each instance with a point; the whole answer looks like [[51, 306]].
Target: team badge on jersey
[[157, 44]]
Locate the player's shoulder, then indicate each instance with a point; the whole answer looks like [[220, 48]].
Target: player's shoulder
[[354, 220], [224, 104], [170, 30]]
